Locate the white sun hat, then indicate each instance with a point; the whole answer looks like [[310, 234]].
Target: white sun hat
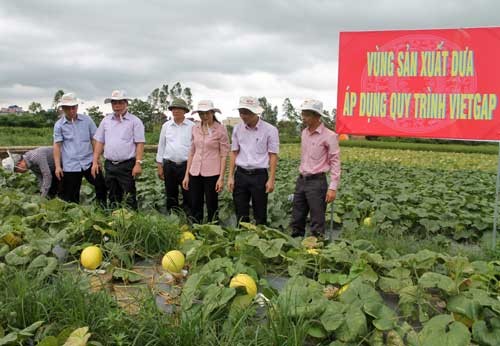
[[312, 105], [68, 99], [205, 106], [9, 163], [117, 95], [251, 103]]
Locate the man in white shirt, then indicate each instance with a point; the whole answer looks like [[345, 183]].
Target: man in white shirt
[[173, 152]]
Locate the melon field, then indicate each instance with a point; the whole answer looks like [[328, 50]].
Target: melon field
[[410, 261]]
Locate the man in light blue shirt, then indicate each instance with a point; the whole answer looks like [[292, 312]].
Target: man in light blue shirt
[[73, 151]]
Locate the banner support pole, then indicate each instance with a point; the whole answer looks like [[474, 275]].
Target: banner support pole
[[495, 219]]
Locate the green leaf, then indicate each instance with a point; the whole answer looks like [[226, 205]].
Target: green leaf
[[354, 325], [384, 317], [442, 330], [487, 335], [78, 337], [126, 275], [333, 278], [465, 306], [215, 297], [333, 317], [49, 341], [443, 282], [20, 255]]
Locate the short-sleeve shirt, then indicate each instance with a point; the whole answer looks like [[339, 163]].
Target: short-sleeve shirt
[[320, 153], [120, 136], [175, 141], [255, 144], [76, 139], [208, 150]]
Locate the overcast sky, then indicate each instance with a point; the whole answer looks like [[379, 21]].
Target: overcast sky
[[221, 49]]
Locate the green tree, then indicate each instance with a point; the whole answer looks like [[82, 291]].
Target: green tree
[[290, 112], [288, 131], [95, 113], [57, 97], [144, 111], [329, 120], [35, 107], [269, 113]]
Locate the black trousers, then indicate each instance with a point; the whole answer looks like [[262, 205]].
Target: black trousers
[[120, 182], [174, 175], [250, 187], [55, 189], [309, 196], [72, 182], [200, 189]]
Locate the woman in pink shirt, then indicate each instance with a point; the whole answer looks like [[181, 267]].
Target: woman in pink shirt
[[206, 162]]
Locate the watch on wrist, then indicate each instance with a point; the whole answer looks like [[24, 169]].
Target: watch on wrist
[[139, 161]]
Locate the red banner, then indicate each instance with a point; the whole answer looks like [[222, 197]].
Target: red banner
[[420, 83]]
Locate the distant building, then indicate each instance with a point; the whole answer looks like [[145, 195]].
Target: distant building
[[13, 109], [231, 121]]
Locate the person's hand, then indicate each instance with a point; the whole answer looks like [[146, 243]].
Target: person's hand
[[137, 170], [269, 186], [185, 183], [94, 171], [59, 173], [160, 173], [230, 184], [219, 186], [330, 196]]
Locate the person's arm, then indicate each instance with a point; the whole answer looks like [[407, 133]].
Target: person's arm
[[235, 148], [185, 181], [273, 163], [46, 176], [273, 150], [230, 177], [139, 140], [98, 149], [139, 153], [334, 162], [58, 139], [159, 152], [223, 150], [57, 160]]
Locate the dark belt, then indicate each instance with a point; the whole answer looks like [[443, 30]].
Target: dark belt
[[251, 171], [120, 162], [175, 163], [312, 176]]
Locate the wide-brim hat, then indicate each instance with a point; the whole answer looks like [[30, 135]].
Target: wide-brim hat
[[179, 103], [251, 103], [312, 105], [205, 106], [10, 163], [117, 95], [68, 99]]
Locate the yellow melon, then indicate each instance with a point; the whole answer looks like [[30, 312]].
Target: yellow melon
[[246, 281], [173, 261], [91, 257]]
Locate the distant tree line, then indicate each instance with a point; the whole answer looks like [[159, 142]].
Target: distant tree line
[[153, 110]]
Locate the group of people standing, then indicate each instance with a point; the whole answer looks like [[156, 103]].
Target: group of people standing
[[191, 157]]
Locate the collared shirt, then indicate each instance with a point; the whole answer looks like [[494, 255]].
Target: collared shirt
[[320, 154], [208, 149], [255, 144], [175, 141], [76, 138], [120, 136], [41, 162]]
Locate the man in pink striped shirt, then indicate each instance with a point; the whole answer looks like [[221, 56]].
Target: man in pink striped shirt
[[319, 155]]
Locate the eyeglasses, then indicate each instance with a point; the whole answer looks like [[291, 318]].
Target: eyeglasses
[[116, 102]]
